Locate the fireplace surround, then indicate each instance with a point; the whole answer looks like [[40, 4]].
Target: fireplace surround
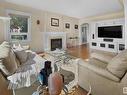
[[56, 44], [53, 40]]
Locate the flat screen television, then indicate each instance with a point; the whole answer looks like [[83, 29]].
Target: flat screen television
[[110, 32]]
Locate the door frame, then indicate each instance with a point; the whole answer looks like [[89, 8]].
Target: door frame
[[84, 25]]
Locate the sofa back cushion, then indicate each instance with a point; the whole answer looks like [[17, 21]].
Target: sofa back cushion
[[118, 65]]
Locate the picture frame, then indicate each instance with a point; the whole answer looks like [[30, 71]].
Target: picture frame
[[67, 25], [76, 26], [55, 22]]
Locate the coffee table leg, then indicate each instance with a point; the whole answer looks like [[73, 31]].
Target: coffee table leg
[[13, 92]]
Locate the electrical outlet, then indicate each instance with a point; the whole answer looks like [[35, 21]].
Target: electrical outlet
[[124, 90]]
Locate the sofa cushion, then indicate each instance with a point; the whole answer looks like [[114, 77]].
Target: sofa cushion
[[22, 56], [105, 57], [97, 63], [99, 69], [118, 65]]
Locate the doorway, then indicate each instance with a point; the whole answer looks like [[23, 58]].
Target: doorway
[[84, 33]]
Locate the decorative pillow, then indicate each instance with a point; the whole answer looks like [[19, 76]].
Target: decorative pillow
[[6, 44], [118, 65], [8, 59], [17, 48], [4, 50], [105, 57], [3, 68], [10, 62], [22, 56]]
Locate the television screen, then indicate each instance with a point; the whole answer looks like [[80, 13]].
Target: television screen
[[110, 32]]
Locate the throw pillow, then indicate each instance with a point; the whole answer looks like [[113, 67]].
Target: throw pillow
[[3, 68], [118, 65], [17, 48], [22, 56], [8, 59], [10, 62], [6, 44], [4, 50]]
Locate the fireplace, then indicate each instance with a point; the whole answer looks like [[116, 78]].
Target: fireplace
[[56, 43], [53, 40]]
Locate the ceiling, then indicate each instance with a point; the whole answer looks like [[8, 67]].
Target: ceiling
[[74, 8]]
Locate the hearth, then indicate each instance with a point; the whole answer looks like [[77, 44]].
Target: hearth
[[56, 44]]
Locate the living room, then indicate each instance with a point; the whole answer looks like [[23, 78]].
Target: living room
[[85, 39]]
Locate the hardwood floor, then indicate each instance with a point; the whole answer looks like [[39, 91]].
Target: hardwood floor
[[81, 51], [78, 91]]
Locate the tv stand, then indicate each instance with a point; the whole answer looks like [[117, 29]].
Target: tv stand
[[108, 46]]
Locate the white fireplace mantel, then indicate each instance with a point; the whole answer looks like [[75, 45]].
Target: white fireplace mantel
[[47, 36]]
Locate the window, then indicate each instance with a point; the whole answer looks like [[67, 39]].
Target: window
[[19, 26]]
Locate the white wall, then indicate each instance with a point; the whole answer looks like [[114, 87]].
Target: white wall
[[92, 19], [36, 42], [125, 10]]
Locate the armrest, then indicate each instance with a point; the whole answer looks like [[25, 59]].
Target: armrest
[[101, 71], [4, 86]]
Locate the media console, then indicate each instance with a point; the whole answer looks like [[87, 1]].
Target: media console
[[108, 46]]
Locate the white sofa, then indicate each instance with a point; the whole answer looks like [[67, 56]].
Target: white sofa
[[94, 74], [12, 63], [19, 69]]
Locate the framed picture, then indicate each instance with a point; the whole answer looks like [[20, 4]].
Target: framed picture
[[67, 25], [55, 22], [76, 26]]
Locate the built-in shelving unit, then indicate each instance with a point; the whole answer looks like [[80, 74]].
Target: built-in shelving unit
[[108, 44]]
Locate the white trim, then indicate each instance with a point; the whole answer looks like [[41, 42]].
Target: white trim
[[13, 92], [5, 18], [8, 35], [17, 12], [88, 33]]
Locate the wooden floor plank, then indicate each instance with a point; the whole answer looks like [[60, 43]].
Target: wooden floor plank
[[81, 51]]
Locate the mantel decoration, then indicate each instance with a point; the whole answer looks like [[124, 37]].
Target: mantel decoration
[[76, 26], [55, 22], [67, 25]]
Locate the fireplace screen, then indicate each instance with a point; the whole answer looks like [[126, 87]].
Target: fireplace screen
[[56, 43]]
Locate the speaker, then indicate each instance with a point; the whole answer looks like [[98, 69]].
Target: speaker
[[108, 40], [93, 36]]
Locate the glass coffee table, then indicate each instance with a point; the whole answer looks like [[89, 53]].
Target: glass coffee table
[[63, 60], [61, 56]]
